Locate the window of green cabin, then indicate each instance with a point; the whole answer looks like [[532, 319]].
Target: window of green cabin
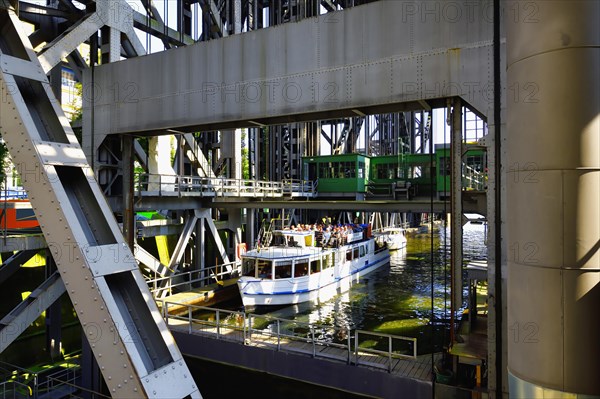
[[361, 170], [283, 269], [301, 268], [249, 267]]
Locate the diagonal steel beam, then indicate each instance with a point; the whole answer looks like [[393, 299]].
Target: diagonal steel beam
[[65, 44], [131, 342], [25, 313], [13, 264]]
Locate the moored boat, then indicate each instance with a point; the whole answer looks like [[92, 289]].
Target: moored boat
[[393, 237], [308, 265]]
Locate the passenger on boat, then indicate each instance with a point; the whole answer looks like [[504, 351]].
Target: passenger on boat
[[326, 236]]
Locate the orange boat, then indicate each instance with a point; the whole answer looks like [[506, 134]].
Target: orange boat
[[17, 217]]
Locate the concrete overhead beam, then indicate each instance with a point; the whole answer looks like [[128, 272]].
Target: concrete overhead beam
[[378, 57]]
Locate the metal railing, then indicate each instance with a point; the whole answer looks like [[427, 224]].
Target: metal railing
[[145, 183], [354, 347], [23, 383], [473, 179], [186, 280]]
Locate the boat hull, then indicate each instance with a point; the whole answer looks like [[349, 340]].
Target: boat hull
[[326, 285]]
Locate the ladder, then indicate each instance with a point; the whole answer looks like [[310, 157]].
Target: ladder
[[133, 346]]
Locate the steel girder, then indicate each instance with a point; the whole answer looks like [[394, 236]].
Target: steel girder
[[132, 345]]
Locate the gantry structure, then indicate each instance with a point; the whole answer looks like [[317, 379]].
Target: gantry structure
[[298, 76]]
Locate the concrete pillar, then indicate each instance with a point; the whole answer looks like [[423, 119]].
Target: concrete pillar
[[160, 168], [553, 198], [250, 226]]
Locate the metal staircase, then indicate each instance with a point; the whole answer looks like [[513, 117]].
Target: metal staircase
[[130, 341]]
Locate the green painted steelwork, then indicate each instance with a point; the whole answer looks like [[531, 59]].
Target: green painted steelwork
[[378, 175]]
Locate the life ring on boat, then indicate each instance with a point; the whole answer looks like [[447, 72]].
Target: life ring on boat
[[240, 250]]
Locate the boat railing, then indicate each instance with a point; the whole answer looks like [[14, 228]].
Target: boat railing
[[356, 347], [186, 280]]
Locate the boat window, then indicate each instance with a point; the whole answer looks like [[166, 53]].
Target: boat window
[[248, 267], [327, 261], [264, 269], [362, 251], [283, 269], [315, 266], [355, 251], [349, 254], [301, 268]]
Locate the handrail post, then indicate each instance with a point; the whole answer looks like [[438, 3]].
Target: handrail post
[[356, 347], [218, 325], [244, 329], [312, 333], [415, 348], [189, 319], [349, 343], [278, 336], [250, 328], [390, 353]]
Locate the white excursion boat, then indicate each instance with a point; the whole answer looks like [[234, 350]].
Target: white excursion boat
[[393, 237], [297, 268]]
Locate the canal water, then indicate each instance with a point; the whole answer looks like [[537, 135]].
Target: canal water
[[395, 300]]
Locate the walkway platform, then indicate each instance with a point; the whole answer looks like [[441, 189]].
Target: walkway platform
[[204, 296], [314, 353]]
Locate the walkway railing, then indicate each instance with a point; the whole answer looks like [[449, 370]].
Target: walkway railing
[[154, 184], [353, 347], [196, 278]]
